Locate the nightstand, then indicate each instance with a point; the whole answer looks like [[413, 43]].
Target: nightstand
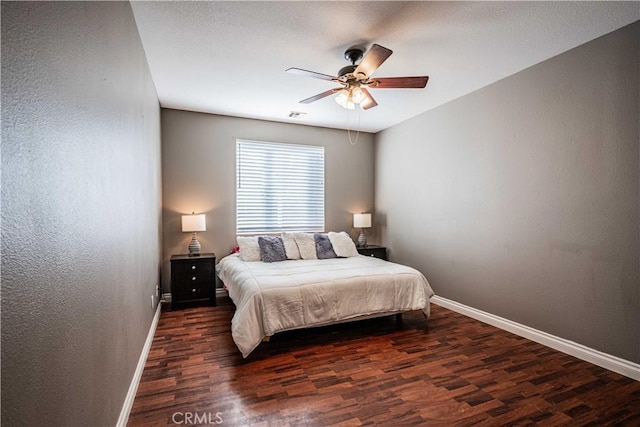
[[374, 251], [193, 280]]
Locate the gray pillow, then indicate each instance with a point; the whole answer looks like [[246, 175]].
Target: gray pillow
[[272, 249], [324, 249]]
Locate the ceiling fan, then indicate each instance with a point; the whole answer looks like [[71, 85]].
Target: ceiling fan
[[357, 79]]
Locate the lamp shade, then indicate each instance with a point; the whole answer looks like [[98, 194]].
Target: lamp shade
[[362, 220], [193, 223]]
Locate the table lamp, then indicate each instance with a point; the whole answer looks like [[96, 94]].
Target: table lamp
[[362, 221], [192, 224]]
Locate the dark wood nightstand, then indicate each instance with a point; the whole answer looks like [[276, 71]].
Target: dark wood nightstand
[[193, 280], [374, 251]]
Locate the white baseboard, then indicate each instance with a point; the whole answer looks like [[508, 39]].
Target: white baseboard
[[220, 293], [604, 360], [135, 381]]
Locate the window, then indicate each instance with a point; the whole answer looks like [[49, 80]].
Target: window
[[279, 187]]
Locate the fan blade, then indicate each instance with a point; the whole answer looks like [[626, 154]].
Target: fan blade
[[313, 74], [368, 102], [399, 82], [320, 96], [372, 60]]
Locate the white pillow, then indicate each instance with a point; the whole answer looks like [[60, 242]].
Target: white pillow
[[290, 245], [342, 244], [249, 248], [306, 245]]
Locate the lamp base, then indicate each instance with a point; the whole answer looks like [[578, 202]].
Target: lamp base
[[194, 246], [362, 239]]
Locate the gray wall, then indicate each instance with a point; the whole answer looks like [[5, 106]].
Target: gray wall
[[80, 210], [198, 175], [522, 199]]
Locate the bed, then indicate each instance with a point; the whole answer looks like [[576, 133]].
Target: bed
[[302, 293]]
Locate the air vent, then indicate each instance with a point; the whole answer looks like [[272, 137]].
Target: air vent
[[296, 114]]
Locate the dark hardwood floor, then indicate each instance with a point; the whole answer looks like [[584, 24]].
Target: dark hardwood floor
[[458, 371]]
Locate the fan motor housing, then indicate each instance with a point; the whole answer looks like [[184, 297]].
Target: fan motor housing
[[349, 69]]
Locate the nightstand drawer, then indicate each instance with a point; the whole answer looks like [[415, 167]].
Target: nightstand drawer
[[200, 268], [195, 290], [374, 251]]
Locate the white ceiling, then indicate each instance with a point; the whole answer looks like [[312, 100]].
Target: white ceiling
[[230, 57]]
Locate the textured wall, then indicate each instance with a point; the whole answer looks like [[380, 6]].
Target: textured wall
[[199, 174], [522, 199], [80, 210]]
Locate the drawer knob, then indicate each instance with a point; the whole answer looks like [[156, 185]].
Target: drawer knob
[[193, 267], [193, 278], [193, 290]]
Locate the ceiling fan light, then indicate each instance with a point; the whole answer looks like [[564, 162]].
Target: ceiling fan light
[[357, 95], [343, 98]]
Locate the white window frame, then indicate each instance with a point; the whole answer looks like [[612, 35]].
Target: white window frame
[[279, 187]]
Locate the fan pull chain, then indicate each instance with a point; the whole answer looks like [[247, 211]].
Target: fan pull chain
[[352, 142]]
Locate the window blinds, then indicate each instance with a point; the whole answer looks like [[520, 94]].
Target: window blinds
[[279, 187]]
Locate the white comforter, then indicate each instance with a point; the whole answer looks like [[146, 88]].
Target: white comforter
[[273, 297]]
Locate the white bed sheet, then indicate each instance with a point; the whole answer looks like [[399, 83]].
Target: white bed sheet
[[279, 296]]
